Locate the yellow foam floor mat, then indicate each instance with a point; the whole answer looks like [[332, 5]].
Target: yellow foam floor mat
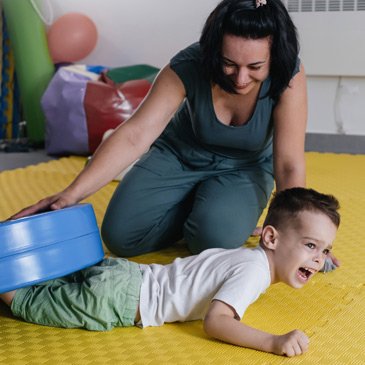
[[330, 309]]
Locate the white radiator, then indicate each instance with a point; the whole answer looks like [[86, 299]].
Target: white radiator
[[332, 35]]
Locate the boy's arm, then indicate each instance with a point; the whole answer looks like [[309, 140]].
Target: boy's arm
[[220, 323]]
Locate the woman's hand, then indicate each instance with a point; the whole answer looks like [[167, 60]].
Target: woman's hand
[[257, 231], [334, 259], [331, 263], [53, 202]]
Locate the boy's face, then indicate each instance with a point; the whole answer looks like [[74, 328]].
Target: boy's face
[[302, 247]]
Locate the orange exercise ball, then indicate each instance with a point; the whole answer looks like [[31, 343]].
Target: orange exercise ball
[[71, 37]]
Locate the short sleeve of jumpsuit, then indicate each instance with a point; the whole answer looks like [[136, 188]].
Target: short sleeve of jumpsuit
[[202, 180]]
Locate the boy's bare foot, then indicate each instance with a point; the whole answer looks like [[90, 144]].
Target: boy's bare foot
[[8, 297]]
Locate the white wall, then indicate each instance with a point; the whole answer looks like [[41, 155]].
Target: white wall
[[151, 31], [138, 31], [334, 57], [336, 105]]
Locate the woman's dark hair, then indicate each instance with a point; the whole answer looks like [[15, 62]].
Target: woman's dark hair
[[287, 204], [242, 18]]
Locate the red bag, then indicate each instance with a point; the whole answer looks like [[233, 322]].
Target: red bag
[[108, 104]]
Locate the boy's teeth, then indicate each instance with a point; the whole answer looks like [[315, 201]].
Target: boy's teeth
[[306, 271]]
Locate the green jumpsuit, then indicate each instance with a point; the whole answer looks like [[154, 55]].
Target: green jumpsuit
[[202, 180]]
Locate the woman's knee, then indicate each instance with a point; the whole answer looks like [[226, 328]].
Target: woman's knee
[[117, 240], [203, 237], [131, 239], [206, 234], [121, 231], [203, 240]]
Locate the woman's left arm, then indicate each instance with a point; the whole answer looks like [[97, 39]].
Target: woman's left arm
[[290, 122]]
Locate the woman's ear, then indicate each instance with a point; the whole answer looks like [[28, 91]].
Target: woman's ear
[[269, 237]]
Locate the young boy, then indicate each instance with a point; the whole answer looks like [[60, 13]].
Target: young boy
[[217, 285]]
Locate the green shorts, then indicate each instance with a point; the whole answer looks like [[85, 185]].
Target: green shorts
[[97, 298]]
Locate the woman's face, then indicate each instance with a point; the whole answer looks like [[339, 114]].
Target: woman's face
[[246, 61]]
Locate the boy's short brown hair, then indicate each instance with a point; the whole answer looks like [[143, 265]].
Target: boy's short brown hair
[[287, 204]]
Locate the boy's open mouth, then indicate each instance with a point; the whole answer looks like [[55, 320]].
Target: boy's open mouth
[[306, 273]]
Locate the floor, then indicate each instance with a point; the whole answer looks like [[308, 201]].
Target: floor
[[314, 143], [13, 160], [328, 309]]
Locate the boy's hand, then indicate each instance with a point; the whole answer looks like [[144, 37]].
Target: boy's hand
[[291, 344]]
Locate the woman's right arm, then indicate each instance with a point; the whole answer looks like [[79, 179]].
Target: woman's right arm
[[127, 143]]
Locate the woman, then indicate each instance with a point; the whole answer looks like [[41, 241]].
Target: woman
[[222, 120]]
